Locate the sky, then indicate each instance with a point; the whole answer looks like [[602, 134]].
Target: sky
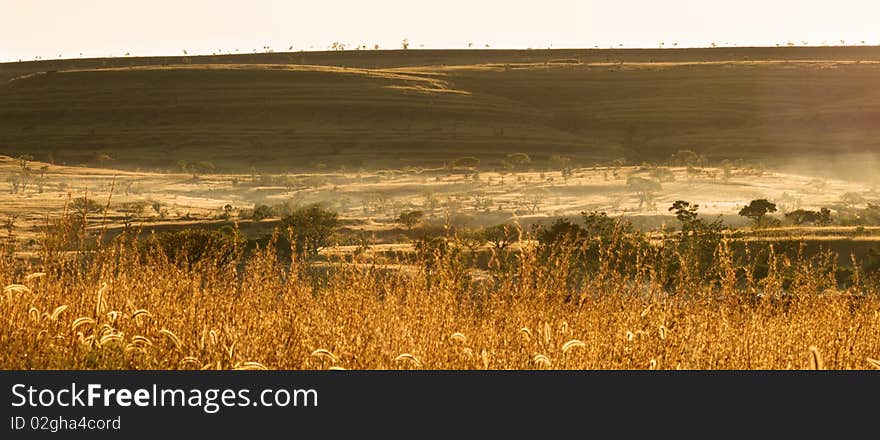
[[53, 29]]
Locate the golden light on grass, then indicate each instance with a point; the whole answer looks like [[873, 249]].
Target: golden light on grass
[[250, 365], [458, 337], [574, 343], [326, 354], [256, 315], [16, 288], [816, 362], [34, 276], [78, 322], [140, 314], [106, 339], [173, 338], [141, 341], [409, 358], [542, 361], [189, 360], [527, 333]]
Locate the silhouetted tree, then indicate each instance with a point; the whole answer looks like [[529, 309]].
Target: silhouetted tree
[[312, 227], [757, 209], [410, 218], [500, 236]]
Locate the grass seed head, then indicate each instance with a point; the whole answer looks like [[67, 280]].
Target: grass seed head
[[816, 362], [574, 343]]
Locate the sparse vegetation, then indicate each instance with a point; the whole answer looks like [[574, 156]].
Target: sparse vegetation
[[410, 218], [191, 300], [757, 211], [314, 243], [645, 190], [311, 228]]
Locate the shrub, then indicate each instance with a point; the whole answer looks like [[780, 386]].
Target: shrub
[[500, 236], [603, 243], [410, 218], [191, 247], [804, 217], [757, 210], [262, 212], [311, 228], [83, 206]]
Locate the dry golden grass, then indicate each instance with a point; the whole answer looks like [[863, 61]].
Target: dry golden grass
[[114, 308]]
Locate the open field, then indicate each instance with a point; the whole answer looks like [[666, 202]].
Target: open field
[[371, 200], [117, 308], [278, 112], [432, 209]]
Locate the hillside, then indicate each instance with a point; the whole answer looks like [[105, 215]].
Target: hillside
[[399, 108]]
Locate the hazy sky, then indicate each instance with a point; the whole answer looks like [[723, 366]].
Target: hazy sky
[[49, 28]]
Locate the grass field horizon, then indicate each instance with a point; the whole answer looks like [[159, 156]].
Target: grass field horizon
[[710, 208]]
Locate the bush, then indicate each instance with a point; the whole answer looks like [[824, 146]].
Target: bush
[[757, 211], [83, 206], [410, 218], [311, 228], [191, 247], [804, 217], [603, 243], [262, 212], [501, 236]]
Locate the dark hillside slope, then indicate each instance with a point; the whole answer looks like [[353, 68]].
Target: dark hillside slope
[[265, 116], [291, 116]]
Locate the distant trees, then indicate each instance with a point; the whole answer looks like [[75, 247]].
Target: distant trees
[[501, 236], [684, 211], [19, 180], [311, 228], [563, 164], [662, 174], [516, 161], [726, 169], [227, 211], [687, 158], [757, 210], [262, 212], [851, 199], [410, 218], [693, 227], [645, 190], [586, 246], [83, 207], [197, 168], [468, 162], [562, 231], [102, 158], [189, 247], [699, 238], [804, 217]]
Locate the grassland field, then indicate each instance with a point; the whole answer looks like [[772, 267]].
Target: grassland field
[[373, 133], [172, 143]]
